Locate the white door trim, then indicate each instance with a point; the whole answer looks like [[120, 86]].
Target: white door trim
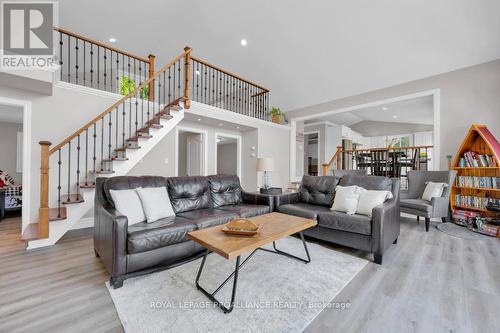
[[205, 147], [238, 154], [435, 93], [26, 106]]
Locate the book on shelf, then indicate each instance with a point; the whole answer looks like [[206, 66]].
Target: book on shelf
[[472, 159], [474, 201], [478, 182]]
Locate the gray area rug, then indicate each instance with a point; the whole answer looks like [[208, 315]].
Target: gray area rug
[[457, 231], [275, 293]]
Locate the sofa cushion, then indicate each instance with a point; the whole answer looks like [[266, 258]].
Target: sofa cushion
[[149, 236], [130, 182], [416, 204], [246, 210], [226, 190], [318, 190], [204, 218], [376, 183], [189, 193], [359, 224], [303, 210]]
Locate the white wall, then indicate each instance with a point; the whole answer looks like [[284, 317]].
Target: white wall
[[8, 149], [468, 96]]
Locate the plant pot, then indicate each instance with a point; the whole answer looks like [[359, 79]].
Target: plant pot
[[276, 119]]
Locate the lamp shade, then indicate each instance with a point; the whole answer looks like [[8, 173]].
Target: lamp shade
[[265, 164]]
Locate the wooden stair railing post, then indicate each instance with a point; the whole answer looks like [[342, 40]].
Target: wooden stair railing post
[[187, 63], [43, 212], [151, 73], [339, 157]]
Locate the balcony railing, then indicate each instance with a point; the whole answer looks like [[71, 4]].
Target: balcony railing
[[389, 162]]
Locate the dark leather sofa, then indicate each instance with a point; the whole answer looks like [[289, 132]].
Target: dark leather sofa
[[199, 202], [315, 197]]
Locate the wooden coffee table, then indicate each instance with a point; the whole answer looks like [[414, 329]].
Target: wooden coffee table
[[272, 227]]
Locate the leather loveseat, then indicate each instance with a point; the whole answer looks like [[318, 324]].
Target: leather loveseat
[[199, 202], [372, 234]]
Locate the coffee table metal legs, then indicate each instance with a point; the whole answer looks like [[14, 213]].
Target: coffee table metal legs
[[234, 274], [308, 260]]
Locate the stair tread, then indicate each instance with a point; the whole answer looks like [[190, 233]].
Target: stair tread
[[71, 199], [120, 158], [102, 172], [88, 185], [128, 147], [54, 214]]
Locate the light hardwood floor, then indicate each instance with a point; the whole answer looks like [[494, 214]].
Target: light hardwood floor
[[429, 282]]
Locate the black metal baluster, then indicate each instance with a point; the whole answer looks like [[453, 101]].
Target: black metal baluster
[[102, 143], [76, 60], [117, 126], [169, 86], [123, 124], [109, 139], [117, 74], [105, 74], [86, 156], [69, 172], [98, 67], [84, 60], [212, 100], [91, 65], [78, 167], [69, 59], [94, 158], [111, 70], [179, 80], [61, 53], [205, 85], [59, 185]]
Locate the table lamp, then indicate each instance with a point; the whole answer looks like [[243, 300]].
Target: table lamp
[[265, 164]]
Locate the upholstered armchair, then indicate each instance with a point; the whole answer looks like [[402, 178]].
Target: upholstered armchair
[[412, 202]]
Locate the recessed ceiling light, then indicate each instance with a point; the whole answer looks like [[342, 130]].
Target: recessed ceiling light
[[198, 72], [199, 119], [243, 42], [219, 139], [385, 108], [112, 40], [237, 127], [394, 116], [221, 124]]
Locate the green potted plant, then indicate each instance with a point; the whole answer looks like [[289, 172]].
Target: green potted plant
[[276, 114]]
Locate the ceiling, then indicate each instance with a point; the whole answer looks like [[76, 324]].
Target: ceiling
[[305, 52], [189, 116], [416, 111], [11, 114]]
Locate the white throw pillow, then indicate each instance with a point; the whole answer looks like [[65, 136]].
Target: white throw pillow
[[370, 199], [346, 199], [127, 202], [156, 203], [433, 190]]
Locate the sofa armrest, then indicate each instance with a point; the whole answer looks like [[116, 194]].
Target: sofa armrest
[[440, 206], [110, 239], [385, 225], [286, 199], [258, 199]]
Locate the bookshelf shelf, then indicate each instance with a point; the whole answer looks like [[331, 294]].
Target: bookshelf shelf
[[489, 189], [477, 163]]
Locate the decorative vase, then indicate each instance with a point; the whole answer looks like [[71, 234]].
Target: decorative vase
[[277, 119]]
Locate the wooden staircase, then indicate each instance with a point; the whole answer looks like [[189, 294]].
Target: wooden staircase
[[111, 144]]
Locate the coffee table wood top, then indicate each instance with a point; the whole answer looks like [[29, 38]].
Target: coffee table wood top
[[272, 227]]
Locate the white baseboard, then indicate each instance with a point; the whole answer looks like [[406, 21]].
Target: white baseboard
[[87, 222]]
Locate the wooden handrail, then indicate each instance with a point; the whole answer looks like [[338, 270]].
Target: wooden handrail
[[228, 73], [73, 34], [119, 102], [387, 148], [336, 157]]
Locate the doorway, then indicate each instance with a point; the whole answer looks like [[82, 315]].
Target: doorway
[[227, 154], [311, 153], [191, 152]]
